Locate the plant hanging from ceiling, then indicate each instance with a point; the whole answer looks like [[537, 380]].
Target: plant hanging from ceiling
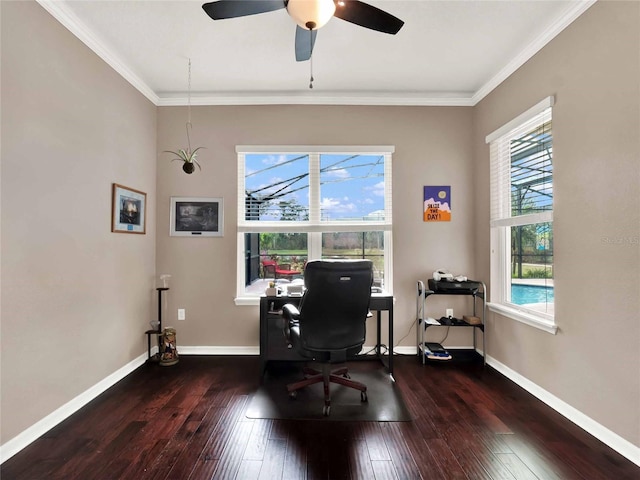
[[187, 156]]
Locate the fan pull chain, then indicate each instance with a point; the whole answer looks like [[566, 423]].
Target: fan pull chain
[[310, 57]]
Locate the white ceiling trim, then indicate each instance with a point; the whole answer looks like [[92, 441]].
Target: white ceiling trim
[[80, 30], [334, 98], [70, 21], [572, 12]]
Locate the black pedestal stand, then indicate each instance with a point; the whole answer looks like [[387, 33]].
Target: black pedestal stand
[[158, 332]]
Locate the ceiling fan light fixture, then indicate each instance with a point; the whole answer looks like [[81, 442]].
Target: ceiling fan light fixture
[[311, 14]]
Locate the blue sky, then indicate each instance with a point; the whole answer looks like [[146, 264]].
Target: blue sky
[[351, 186]]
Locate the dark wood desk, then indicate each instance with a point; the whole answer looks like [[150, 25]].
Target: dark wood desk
[[273, 346]]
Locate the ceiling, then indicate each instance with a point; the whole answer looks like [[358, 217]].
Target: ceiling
[[447, 53]]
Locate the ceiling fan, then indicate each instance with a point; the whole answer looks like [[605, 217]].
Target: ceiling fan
[[310, 15]]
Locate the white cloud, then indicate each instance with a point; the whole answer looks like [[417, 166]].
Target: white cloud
[[336, 205], [377, 189], [341, 173], [329, 203]]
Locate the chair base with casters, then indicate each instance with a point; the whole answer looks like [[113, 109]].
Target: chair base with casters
[[326, 377]]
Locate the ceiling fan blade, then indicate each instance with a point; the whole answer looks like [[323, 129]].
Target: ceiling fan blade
[[240, 8], [367, 16], [305, 40]]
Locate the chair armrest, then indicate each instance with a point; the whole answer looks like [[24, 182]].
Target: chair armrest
[[291, 315]]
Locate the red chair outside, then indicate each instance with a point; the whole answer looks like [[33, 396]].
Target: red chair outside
[[271, 268]]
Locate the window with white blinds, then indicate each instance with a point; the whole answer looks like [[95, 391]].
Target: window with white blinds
[[521, 217], [298, 203]]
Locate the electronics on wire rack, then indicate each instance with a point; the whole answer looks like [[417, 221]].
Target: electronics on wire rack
[[435, 351], [443, 282]]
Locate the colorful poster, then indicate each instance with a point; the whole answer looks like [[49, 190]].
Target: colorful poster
[[437, 204]]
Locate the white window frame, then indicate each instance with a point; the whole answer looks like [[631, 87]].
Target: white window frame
[[502, 221], [314, 227]]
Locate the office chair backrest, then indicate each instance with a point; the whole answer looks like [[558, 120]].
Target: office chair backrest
[[334, 308]]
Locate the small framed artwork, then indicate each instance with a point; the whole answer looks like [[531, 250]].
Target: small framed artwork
[[436, 206], [128, 210], [196, 217]]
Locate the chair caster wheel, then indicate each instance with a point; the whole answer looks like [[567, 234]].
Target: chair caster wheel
[[363, 396], [326, 410], [293, 395]]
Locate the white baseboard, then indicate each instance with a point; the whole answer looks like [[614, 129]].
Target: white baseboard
[[613, 440], [400, 350], [411, 350], [203, 350], [41, 427]]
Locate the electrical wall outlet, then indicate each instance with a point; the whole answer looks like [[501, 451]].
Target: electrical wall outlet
[[182, 315], [449, 312]]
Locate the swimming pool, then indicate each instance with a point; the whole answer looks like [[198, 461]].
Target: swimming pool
[[524, 294]]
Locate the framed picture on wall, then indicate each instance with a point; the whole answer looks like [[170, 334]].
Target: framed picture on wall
[[128, 210], [436, 205], [196, 217]]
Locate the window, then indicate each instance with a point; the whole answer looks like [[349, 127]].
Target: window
[[522, 218], [302, 203]]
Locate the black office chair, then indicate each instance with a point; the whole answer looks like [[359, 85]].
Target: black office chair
[[329, 325]]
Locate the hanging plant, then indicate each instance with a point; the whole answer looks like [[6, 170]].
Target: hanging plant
[[188, 156]]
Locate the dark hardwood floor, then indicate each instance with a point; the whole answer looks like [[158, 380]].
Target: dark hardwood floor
[[188, 422]]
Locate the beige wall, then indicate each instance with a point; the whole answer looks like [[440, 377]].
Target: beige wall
[[75, 297], [433, 147], [593, 69]]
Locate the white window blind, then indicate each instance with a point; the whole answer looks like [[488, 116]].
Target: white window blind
[[521, 169]]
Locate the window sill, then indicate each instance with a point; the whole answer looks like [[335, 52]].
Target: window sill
[[247, 301], [523, 317]]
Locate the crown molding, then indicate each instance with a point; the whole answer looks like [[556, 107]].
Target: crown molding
[[450, 99], [72, 23], [329, 98], [573, 11]]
